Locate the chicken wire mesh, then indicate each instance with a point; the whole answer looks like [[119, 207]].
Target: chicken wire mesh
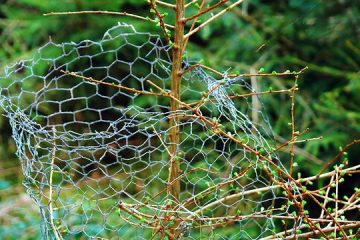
[[92, 137]]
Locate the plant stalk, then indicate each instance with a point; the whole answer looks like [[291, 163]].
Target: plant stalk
[[174, 136]]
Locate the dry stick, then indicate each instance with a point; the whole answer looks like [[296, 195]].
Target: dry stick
[[245, 95], [56, 233], [237, 217], [263, 189], [293, 133], [206, 10], [106, 13], [259, 215], [326, 196], [283, 74], [212, 18], [234, 219], [351, 225], [255, 102], [336, 196], [325, 230], [202, 169], [308, 140]]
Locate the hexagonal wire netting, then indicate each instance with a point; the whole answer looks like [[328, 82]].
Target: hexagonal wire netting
[[92, 137]]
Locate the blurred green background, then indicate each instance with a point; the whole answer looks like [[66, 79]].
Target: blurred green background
[[273, 35]]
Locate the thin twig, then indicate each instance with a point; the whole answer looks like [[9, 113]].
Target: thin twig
[[245, 95], [190, 3], [160, 18], [212, 18], [325, 230], [336, 196], [115, 85], [283, 74], [326, 196], [194, 23], [165, 4], [341, 152], [307, 140], [125, 14], [294, 135], [158, 230], [206, 10], [55, 230], [263, 189]]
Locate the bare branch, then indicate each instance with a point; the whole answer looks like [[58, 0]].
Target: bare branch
[[294, 135], [264, 189], [341, 152], [90, 79], [160, 18], [190, 3], [213, 18], [125, 14], [194, 23], [283, 74], [165, 4], [206, 10]]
